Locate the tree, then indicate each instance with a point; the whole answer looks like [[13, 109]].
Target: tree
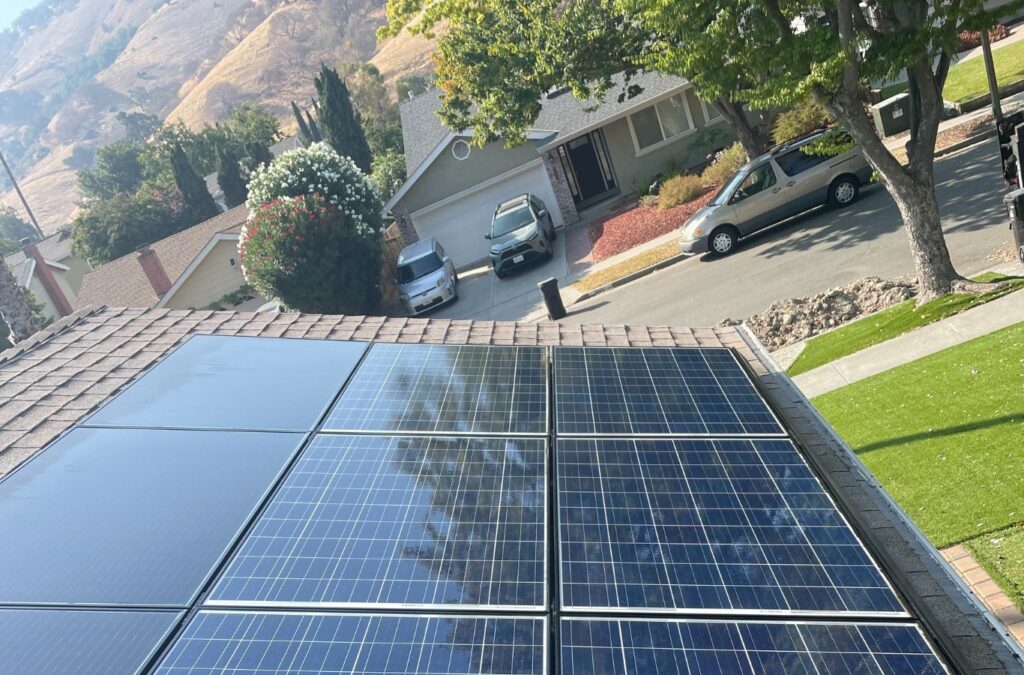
[[411, 86], [339, 122], [110, 228], [388, 173], [16, 229], [192, 187], [15, 308], [304, 133], [120, 168], [314, 128], [138, 126], [229, 177]]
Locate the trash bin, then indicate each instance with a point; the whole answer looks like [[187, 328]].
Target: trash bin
[[892, 115], [1015, 206], [552, 298]]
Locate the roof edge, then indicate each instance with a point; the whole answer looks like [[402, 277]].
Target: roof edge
[[53, 330]]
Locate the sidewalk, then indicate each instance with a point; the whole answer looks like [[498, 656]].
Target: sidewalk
[[914, 345]]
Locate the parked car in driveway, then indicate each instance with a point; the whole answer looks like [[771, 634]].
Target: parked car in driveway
[[521, 231], [426, 276], [775, 186]]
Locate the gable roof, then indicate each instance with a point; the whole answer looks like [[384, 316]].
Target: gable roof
[[56, 378], [124, 282], [53, 248]]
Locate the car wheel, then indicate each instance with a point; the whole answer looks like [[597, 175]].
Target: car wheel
[[498, 273], [554, 232], [844, 191], [722, 241]]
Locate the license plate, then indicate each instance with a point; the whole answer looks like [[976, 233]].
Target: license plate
[[518, 259]]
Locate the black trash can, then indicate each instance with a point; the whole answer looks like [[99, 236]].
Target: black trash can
[[552, 298], [1015, 207]]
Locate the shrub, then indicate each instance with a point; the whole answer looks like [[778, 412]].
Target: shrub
[[388, 173], [311, 255], [801, 120], [679, 190], [969, 39], [726, 163]]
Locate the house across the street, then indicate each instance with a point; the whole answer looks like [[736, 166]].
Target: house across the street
[[579, 154], [51, 272]]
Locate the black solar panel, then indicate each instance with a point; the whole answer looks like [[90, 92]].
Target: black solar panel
[[667, 647], [283, 643], [131, 516], [400, 521], [709, 525], [446, 389], [230, 382], [80, 642], [656, 392]]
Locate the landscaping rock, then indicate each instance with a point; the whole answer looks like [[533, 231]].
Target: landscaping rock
[[789, 321]]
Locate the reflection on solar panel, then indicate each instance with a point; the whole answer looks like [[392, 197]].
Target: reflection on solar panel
[[131, 516], [85, 642], [219, 382], [280, 643], [610, 646], [446, 389], [713, 525], [400, 521], [656, 391]]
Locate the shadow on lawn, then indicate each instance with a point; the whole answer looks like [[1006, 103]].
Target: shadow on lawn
[[1015, 418]]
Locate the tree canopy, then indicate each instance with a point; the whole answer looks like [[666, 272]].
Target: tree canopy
[[111, 228], [339, 121]]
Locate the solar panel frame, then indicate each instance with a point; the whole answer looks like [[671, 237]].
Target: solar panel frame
[[563, 561], [560, 425], [542, 428]]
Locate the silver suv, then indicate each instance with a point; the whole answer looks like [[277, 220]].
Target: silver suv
[[521, 231], [426, 276], [782, 183]]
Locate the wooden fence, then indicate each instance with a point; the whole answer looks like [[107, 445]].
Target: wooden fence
[[392, 244]]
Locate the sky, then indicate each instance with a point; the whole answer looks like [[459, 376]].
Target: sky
[[10, 9]]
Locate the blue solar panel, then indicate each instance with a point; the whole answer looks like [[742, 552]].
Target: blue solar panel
[[131, 516], [80, 642], [656, 392], [667, 647], [230, 382], [294, 643], [706, 525], [378, 521], [446, 389]]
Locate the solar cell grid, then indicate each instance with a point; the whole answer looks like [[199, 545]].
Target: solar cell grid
[[446, 389], [378, 521], [656, 392], [718, 526], [286, 643]]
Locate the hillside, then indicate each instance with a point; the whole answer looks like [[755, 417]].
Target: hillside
[[64, 78]]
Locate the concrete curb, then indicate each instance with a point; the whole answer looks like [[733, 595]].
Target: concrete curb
[[967, 142], [632, 276]]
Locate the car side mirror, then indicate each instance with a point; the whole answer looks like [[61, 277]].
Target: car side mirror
[[542, 213], [446, 260], [487, 236]]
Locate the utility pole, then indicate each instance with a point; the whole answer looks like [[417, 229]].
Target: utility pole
[[990, 71], [14, 182]]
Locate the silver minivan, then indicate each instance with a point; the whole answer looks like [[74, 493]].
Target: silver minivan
[[775, 186], [426, 276]]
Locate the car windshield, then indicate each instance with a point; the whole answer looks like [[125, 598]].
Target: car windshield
[[511, 220], [416, 269], [728, 188]]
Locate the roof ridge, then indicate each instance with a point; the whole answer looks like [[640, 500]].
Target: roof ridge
[[43, 335]]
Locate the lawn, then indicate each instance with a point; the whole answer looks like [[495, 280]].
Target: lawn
[[634, 264], [944, 435], [966, 80], [892, 322], [1002, 555]]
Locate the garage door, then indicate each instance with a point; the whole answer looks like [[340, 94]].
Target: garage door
[[461, 223]]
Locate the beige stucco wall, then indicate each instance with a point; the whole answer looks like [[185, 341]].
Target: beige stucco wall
[[49, 309], [73, 278], [211, 280]]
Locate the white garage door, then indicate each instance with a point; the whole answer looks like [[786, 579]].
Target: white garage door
[[460, 223]]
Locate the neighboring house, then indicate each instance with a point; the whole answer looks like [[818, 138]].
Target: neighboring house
[[194, 268], [578, 154], [51, 271]]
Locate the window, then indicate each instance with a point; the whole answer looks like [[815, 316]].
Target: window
[[662, 121], [711, 113], [761, 178], [796, 161], [418, 268]]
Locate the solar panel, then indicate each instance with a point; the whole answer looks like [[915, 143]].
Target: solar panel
[[666, 646], [704, 525], [282, 643], [230, 382], [656, 392], [383, 521], [446, 389], [83, 642], [131, 516]]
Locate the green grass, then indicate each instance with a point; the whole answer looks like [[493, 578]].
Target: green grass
[[892, 322], [967, 80], [944, 435], [1002, 555]]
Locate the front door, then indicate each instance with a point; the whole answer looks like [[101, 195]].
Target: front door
[[585, 160]]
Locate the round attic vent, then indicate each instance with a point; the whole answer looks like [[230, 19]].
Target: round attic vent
[[460, 150]]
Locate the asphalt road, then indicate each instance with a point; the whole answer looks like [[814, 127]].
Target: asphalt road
[[817, 251]]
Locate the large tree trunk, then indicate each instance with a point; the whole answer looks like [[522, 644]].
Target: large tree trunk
[[14, 306], [752, 140]]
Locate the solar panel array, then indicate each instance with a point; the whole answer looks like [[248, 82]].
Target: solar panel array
[[414, 529]]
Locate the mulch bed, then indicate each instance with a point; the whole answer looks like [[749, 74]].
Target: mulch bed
[[623, 231]]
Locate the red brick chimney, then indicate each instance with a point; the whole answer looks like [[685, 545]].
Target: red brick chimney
[[150, 264], [47, 279]]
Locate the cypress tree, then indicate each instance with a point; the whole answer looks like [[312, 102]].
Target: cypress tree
[[339, 122], [304, 132], [314, 128], [192, 187], [258, 154], [229, 178]]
